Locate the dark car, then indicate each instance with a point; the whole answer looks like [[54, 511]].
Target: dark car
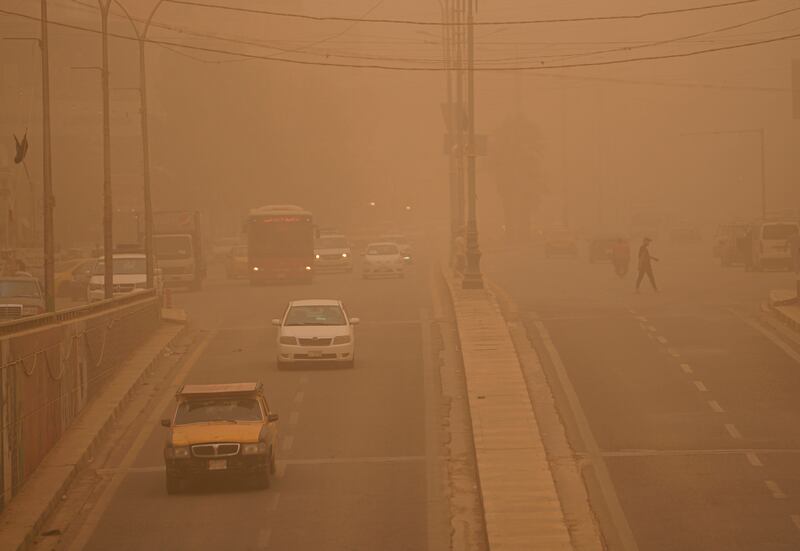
[[601, 249]]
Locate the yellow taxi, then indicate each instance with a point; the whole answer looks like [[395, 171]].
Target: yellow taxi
[[236, 262], [220, 430]]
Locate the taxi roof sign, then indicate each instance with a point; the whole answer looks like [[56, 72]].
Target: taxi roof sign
[[219, 389]]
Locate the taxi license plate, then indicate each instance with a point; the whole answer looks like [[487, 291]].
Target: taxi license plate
[[315, 354], [217, 464]]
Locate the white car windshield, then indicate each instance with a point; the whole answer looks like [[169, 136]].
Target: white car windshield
[[17, 288], [218, 410], [123, 266], [315, 315], [331, 243], [382, 249]]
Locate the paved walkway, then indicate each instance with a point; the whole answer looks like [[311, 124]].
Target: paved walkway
[[28, 510], [521, 506]]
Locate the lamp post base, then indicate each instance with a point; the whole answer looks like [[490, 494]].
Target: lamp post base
[[473, 279]]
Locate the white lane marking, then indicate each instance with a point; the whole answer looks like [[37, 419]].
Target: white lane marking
[[700, 386], [298, 398], [632, 311], [686, 368], [796, 521], [287, 443], [715, 407], [304, 380], [274, 498], [651, 328], [104, 500], [661, 339], [754, 460], [641, 318], [732, 430], [673, 352], [280, 469], [262, 540], [294, 417], [618, 518], [774, 489]]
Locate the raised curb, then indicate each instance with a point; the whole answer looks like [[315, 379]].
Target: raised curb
[[521, 507], [784, 306], [22, 519]]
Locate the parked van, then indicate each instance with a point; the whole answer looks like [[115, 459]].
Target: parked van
[[771, 244]]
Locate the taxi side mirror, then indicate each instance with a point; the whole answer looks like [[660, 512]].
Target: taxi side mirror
[[276, 322], [272, 417], [166, 423], [355, 321]]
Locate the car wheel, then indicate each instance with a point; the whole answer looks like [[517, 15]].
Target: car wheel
[[263, 479], [173, 484]]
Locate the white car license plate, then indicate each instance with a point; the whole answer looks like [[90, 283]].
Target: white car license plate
[[217, 464], [315, 354]]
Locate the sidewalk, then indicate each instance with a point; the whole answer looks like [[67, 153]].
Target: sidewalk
[[521, 507], [25, 514], [788, 313]]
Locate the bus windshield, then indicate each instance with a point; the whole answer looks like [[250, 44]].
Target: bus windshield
[[280, 238]]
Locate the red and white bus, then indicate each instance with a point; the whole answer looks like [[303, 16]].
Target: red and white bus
[[280, 244]]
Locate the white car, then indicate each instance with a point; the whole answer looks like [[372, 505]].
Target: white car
[[401, 241], [315, 330], [382, 260], [130, 274], [332, 253]]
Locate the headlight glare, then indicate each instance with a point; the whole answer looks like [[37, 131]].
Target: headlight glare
[[254, 448], [344, 255]]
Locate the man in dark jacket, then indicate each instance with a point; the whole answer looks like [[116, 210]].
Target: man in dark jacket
[[646, 265]]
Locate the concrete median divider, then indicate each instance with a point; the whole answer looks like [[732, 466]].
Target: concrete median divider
[[521, 506], [62, 379], [786, 307]]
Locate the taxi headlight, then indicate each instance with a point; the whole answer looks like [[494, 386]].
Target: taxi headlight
[[178, 453], [288, 340], [308, 268], [341, 339], [316, 256], [344, 255], [255, 448]]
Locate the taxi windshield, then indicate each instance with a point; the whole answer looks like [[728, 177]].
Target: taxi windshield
[[209, 410], [382, 249], [315, 315]]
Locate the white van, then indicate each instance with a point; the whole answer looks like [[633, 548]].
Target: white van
[[771, 244]]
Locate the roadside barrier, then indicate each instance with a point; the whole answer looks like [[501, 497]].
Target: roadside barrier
[[52, 365]]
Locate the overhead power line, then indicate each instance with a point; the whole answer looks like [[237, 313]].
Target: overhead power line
[[538, 67], [619, 17]]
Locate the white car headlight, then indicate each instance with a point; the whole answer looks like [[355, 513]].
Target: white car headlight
[[255, 448], [316, 256], [178, 453], [288, 340], [344, 255], [341, 339]]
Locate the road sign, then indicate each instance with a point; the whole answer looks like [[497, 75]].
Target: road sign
[[796, 88], [481, 144]]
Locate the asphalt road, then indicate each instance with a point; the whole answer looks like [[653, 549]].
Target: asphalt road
[[359, 448], [689, 395]]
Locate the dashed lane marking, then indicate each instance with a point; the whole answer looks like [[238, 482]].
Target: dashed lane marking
[[287, 443], [280, 470], [274, 498], [733, 431], [294, 417], [650, 328], [662, 339], [700, 386], [304, 380], [673, 352], [686, 368], [715, 407], [262, 540], [754, 460], [298, 398], [774, 489], [796, 521]]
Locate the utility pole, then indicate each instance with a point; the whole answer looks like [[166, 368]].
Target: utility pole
[[47, 175], [108, 213], [472, 274], [458, 46]]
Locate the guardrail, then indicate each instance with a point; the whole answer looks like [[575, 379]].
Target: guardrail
[[52, 365], [31, 322]]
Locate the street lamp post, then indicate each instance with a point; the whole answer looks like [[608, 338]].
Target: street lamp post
[[141, 37], [472, 273], [108, 214]]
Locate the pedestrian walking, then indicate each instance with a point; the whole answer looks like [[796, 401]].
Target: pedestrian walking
[[646, 264]]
